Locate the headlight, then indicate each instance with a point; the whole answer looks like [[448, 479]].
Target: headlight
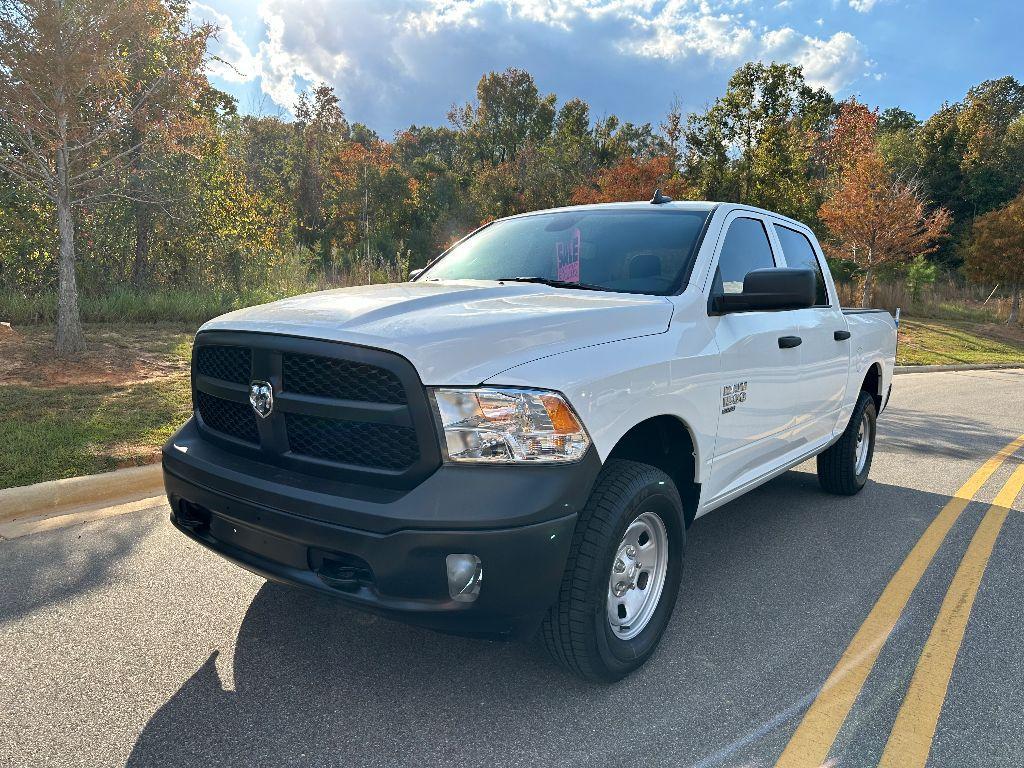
[[509, 426]]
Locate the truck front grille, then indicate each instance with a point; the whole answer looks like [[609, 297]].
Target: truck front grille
[[340, 410], [226, 363], [234, 419], [352, 442], [341, 379]]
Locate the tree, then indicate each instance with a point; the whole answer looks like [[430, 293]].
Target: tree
[[996, 250], [757, 143], [876, 219], [972, 154], [508, 114], [66, 102], [673, 127], [321, 132], [853, 135], [897, 141], [632, 179]]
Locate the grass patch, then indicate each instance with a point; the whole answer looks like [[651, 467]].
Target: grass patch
[[951, 342], [112, 408], [177, 306], [47, 434]]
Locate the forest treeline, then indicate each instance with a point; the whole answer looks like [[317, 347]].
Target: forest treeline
[[124, 168]]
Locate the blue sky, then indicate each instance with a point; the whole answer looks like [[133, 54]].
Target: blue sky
[[398, 62]]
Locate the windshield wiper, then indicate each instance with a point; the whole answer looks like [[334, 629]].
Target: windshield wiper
[[553, 283]]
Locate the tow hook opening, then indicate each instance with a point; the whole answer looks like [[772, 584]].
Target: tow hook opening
[[192, 516], [341, 571]]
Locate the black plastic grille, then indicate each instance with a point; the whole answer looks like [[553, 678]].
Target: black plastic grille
[[352, 442], [341, 379], [231, 418], [225, 363], [341, 411]]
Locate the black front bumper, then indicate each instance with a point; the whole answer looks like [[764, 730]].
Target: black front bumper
[[385, 550]]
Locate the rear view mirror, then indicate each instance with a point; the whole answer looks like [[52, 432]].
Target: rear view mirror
[[769, 290]]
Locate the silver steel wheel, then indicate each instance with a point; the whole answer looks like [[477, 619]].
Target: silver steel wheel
[[638, 576], [863, 443]]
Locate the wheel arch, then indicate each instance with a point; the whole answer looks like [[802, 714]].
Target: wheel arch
[[666, 442], [872, 384]]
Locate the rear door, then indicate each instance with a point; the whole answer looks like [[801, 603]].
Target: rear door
[[759, 382], [825, 349]]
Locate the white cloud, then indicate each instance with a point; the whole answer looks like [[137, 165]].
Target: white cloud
[[389, 59], [831, 64], [862, 6], [231, 59]]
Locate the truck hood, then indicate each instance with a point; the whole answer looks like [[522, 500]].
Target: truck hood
[[459, 331]]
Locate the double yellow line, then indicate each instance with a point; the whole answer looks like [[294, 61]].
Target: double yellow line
[[911, 737]]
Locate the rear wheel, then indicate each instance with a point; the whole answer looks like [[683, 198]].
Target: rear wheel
[[844, 467], [623, 574]]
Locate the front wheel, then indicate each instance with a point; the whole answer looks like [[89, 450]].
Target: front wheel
[[622, 576], [844, 467]]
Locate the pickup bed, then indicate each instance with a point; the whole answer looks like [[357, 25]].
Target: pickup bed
[[518, 438]]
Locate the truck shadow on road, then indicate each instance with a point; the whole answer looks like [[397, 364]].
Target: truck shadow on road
[[933, 434], [774, 586]]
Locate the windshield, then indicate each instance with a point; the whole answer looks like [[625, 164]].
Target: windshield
[[632, 251]]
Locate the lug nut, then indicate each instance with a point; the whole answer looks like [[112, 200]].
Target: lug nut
[[630, 551], [620, 589], [620, 566]]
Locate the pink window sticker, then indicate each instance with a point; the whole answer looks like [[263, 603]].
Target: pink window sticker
[[568, 256]]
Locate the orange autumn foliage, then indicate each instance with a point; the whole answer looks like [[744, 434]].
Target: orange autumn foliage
[[876, 219], [632, 179], [996, 250]]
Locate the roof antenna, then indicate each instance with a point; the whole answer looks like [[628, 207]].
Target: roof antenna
[[659, 198]]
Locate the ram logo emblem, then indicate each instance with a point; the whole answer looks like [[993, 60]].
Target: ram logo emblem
[[261, 398]]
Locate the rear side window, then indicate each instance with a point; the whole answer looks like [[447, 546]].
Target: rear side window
[[800, 254], [745, 249]]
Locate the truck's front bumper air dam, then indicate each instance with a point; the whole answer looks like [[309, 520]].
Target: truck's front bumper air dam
[[398, 568]]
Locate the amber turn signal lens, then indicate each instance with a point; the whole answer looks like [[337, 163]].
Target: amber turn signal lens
[[562, 419]]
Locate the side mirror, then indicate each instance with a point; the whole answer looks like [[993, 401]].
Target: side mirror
[[414, 273], [766, 290]]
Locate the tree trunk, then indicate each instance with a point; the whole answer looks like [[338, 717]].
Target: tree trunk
[[70, 339], [865, 297], [140, 261], [1014, 305]]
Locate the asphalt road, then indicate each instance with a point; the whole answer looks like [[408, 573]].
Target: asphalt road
[[122, 643]]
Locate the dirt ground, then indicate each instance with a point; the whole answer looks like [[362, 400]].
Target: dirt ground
[[116, 355]]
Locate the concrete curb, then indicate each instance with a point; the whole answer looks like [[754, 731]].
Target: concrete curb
[[941, 368], [73, 493]]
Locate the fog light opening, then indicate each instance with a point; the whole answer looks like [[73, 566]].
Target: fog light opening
[[464, 576]]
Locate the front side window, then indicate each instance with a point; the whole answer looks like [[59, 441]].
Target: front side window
[[630, 251], [745, 249], [800, 254]]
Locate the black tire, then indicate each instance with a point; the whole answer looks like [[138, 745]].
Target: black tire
[[576, 630], [837, 467]]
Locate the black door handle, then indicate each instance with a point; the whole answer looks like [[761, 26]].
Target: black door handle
[[788, 342], [841, 335]]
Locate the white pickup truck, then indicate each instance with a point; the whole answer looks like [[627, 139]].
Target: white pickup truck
[[518, 438]]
